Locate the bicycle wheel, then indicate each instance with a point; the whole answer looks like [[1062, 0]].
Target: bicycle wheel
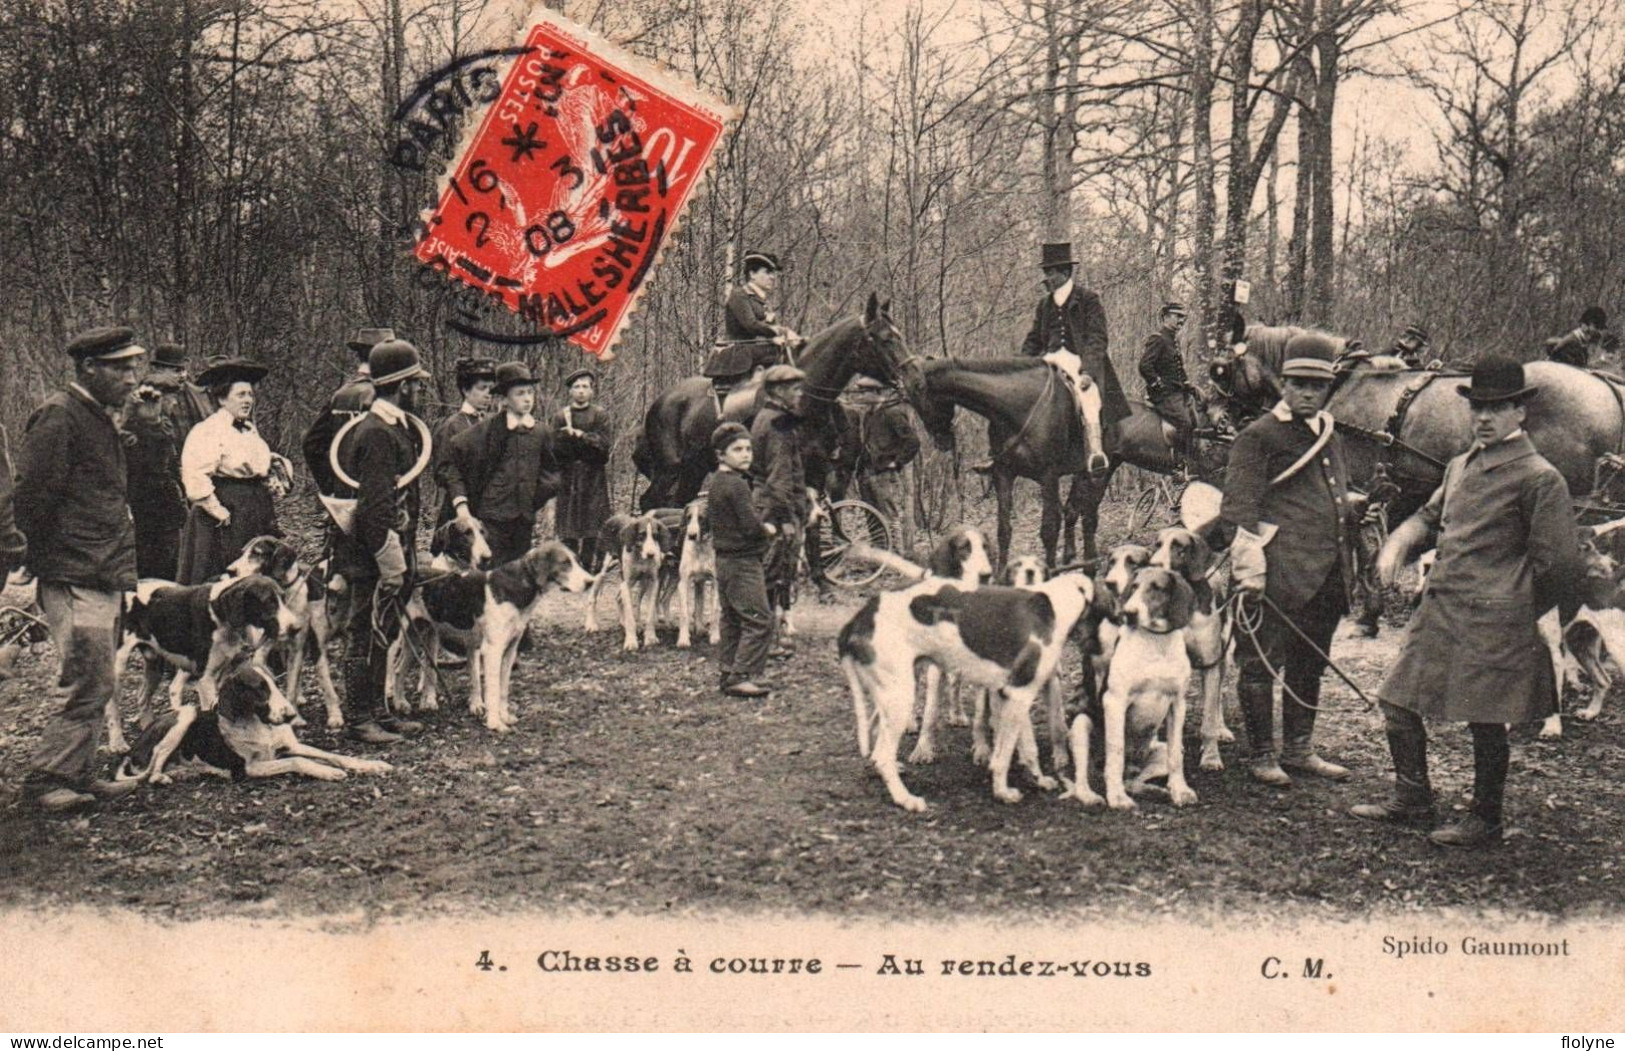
[[851, 520], [1145, 508]]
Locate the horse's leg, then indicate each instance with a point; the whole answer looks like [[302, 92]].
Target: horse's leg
[[1004, 484], [1087, 493], [1069, 519], [1049, 525]]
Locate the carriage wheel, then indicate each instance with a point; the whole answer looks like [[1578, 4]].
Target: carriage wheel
[[851, 520]]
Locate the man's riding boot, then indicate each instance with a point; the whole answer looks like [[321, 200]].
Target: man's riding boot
[[1482, 825], [1297, 738], [1412, 801], [1258, 712]]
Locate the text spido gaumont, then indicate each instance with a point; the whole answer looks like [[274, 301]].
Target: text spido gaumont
[[566, 961]]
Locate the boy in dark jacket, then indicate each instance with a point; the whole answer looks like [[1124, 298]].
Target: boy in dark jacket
[[740, 539]]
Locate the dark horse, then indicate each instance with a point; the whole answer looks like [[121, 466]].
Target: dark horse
[[1033, 430], [673, 450]]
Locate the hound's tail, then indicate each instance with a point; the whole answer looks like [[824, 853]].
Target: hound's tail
[[896, 563]]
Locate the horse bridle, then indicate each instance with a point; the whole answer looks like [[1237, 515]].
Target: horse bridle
[[818, 392]]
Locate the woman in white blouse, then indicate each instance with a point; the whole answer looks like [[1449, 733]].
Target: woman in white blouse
[[229, 474]]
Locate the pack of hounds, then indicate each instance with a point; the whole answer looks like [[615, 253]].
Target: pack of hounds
[[1148, 619]]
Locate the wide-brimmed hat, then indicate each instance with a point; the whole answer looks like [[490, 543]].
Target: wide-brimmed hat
[[365, 339], [511, 374], [758, 260], [169, 355], [394, 361], [1055, 253], [570, 380], [109, 343], [223, 371], [1309, 356], [1496, 377]]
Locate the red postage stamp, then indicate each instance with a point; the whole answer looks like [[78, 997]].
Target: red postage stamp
[[562, 195]]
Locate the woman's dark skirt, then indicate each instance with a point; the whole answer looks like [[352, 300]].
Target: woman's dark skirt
[[207, 547]]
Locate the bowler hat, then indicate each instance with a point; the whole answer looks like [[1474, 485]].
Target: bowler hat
[[1309, 355], [726, 434], [1496, 377], [762, 260], [394, 361], [367, 338], [1055, 253], [169, 355], [783, 374], [570, 380], [225, 370], [511, 374], [109, 343], [1594, 316]]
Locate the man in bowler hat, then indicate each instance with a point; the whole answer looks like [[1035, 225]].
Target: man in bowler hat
[[1508, 551]]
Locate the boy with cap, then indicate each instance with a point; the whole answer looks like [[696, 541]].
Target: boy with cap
[[71, 504], [377, 557], [475, 378], [740, 538], [1287, 493], [585, 437], [503, 471], [1508, 552]]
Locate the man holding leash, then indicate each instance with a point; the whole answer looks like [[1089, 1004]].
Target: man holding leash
[[781, 487], [1287, 493], [1508, 551], [72, 506]]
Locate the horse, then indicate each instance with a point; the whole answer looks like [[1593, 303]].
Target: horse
[[673, 449], [1033, 430]]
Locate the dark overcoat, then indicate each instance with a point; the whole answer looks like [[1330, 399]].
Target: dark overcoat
[[381, 454], [584, 467], [777, 463], [1311, 510], [1507, 551], [475, 454], [157, 503], [443, 434], [1080, 326]]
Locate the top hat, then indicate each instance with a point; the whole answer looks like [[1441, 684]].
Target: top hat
[[111, 343], [570, 380], [1594, 316], [367, 338], [1055, 253], [511, 374], [783, 374], [1309, 355], [1496, 377], [169, 355], [470, 371], [394, 361], [759, 260], [225, 370]]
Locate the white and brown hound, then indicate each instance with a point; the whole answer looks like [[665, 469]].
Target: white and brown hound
[[697, 576], [240, 738], [1145, 693], [1208, 635], [643, 544], [996, 637], [486, 613]]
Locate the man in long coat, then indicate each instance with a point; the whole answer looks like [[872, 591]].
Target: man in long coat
[[1507, 551], [1287, 493], [157, 504], [475, 378], [1071, 322], [781, 486], [584, 437]]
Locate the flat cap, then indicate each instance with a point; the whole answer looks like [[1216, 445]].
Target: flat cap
[[109, 343], [783, 374], [569, 381], [726, 434]]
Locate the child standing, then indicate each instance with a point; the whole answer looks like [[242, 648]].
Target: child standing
[[740, 539]]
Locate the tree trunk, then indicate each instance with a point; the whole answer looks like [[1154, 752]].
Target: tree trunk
[[1202, 81], [1328, 46]]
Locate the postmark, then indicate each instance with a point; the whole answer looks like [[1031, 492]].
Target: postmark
[[564, 191]]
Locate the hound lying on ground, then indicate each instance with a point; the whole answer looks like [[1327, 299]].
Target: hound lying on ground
[[240, 738], [486, 613], [996, 637], [200, 631], [1146, 686]]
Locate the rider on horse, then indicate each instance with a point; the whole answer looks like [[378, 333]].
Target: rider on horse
[[1169, 388], [1575, 348], [752, 337]]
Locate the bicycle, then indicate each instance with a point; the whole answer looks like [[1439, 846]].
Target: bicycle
[[1162, 493], [846, 521]]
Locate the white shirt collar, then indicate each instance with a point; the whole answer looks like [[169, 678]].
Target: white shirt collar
[[388, 411], [1283, 413], [526, 422], [1062, 294], [1514, 436], [469, 409]]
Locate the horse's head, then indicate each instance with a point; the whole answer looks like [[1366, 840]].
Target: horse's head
[[883, 354], [1244, 384]]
